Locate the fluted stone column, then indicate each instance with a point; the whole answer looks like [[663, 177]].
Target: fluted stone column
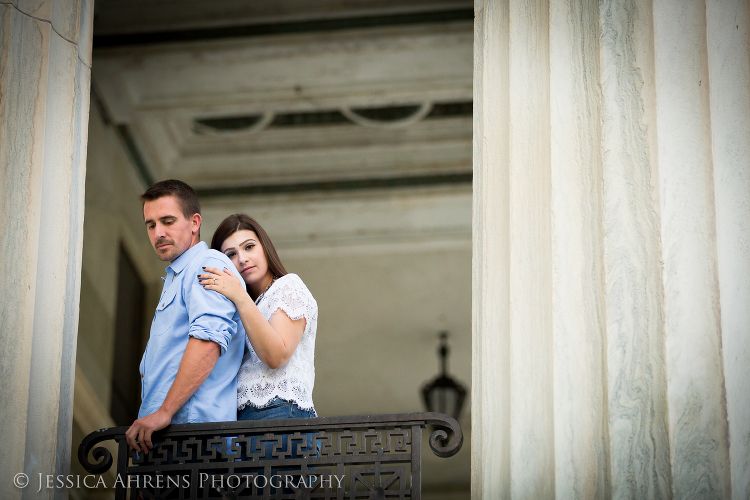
[[729, 98], [611, 249], [45, 60]]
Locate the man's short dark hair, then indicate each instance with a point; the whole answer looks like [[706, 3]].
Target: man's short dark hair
[[185, 195]]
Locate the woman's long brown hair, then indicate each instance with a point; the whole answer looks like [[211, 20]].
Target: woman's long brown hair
[[238, 222]]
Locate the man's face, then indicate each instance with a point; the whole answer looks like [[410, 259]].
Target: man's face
[[171, 234]]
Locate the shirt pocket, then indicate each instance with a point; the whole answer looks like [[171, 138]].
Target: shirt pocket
[[164, 312]]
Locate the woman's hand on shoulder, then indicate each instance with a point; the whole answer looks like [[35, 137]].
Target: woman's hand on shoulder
[[224, 282]]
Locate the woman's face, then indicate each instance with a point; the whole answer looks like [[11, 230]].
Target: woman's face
[[244, 250]]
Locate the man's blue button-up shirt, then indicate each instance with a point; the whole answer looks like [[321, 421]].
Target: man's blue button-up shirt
[[185, 310]]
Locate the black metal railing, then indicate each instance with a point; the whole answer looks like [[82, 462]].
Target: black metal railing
[[376, 456]]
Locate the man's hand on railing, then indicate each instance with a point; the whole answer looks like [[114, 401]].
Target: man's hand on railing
[[139, 434]]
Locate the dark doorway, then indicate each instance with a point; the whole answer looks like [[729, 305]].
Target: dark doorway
[[126, 384]]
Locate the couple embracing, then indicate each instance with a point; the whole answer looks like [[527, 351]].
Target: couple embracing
[[233, 337]]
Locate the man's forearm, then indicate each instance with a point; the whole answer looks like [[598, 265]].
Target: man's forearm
[[197, 362]]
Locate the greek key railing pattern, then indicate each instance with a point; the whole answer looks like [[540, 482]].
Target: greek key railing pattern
[[318, 458]]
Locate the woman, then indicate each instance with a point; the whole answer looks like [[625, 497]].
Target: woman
[[277, 374]]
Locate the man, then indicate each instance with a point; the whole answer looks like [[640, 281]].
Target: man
[[189, 369]]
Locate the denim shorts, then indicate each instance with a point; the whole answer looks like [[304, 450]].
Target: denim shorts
[[280, 408], [276, 408]]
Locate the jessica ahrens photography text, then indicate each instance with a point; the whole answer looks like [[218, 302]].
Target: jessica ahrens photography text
[[160, 481]]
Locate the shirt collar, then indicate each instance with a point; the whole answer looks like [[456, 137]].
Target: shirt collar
[[183, 260]]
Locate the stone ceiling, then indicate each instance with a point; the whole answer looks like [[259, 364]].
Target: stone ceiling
[[342, 112], [359, 104]]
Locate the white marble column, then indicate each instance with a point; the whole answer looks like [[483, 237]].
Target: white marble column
[[490, 420], [578, 265], [611, 249], [636, 373], [727, 26], [695, 382], [45, 60]]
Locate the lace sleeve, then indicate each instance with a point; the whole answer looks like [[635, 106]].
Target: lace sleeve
[[291, 296]]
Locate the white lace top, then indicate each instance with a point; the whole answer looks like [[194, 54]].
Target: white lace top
[[257, 384]]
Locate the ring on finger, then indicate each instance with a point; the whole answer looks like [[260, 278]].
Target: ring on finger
[[214, 281]]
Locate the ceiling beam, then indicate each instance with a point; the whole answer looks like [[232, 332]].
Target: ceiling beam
[[405, 181], [284, 28]]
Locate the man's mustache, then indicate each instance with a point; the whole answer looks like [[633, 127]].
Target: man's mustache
[[162, 241]]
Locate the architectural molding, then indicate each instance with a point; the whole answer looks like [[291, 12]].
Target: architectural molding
[[340, 185], [285, 28]]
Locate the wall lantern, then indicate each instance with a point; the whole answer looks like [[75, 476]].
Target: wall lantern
[[444, 394]]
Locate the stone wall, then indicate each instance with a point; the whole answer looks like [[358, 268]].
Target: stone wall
[[113, 219]]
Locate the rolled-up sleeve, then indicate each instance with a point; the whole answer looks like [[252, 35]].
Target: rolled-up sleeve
[[211, 315]]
